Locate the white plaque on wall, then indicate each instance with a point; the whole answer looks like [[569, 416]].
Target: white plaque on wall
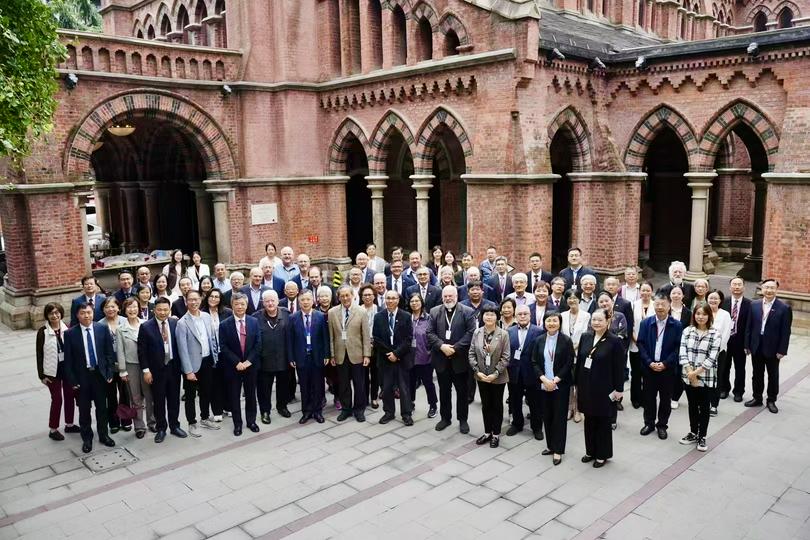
[[262, 214]]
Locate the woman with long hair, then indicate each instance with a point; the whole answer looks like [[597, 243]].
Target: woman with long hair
[[175, 270]]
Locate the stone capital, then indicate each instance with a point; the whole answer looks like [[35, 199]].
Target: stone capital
[[507, 179], [604, 177], [787, 178], [422, 183], [220, 195]]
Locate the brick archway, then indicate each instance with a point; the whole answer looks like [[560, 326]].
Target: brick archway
[[426, 144], [733, 114], [647, 129], [570, 120], [406, 5], [339, 148], [423, 9], [378, 153], [451, 22], [208, 136]]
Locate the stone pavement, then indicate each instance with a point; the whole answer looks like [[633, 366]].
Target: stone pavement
[[363, 481]]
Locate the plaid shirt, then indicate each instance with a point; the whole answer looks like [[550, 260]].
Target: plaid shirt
[[698, 352]]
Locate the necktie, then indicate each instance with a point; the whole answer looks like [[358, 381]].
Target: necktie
[[536, 279], [164, 331], [424, 292], [346, 317], [734, 313], [503, 285], [391, 323], [556, 303], [242, 336], [292, 306], [396, 285], [91, 351], [90, 302], [306, 322]]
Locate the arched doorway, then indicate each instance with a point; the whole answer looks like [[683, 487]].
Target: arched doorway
[[399, 205], [447, 208], [562, 163], [666, 202], [358, 198]]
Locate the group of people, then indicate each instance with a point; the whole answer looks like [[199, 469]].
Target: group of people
[[558, 344]]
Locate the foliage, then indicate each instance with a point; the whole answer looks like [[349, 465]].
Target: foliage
[[29, 53], [76, 14]]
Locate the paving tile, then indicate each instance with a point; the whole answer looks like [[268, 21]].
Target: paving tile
[[325, 497], [531, 491], [480, 496], [538, 514], [554, 530], [584, 512], [222, 521], [273, 520]]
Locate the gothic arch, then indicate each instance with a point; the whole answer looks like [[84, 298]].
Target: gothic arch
[[644, 133], [156, 104], [451, 22], [406, 5], [378, 153], [163, 9], [733, 114], [338, 150], [790, 5], [570, 119], [423, 9], [755, 11], [426, 144]]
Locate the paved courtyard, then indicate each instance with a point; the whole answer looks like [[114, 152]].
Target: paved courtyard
[[363, 481]]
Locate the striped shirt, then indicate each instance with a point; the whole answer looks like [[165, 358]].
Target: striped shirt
[[700, 351]]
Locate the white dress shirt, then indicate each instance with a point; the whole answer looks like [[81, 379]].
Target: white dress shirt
[[92, 336]]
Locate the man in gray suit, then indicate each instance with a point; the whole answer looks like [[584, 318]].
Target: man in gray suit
[[197, 347], [449, 336]]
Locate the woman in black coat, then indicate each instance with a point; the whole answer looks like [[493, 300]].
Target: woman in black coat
[[553, 361], [599, 377]]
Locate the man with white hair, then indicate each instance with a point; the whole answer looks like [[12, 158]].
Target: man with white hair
[[677, 271], [379, 289], [273, 321], [519, 295], [237, 280], [254, 290], [366, 273], [473, 274], [270, 280], [588, 301], [287, 270]]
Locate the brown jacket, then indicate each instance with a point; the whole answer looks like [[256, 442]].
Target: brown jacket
[[358, 337], [499, 354]]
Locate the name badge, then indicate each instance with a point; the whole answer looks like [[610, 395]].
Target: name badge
[[447, 334], [518, 352], [588, 362], [574, 287], [309, 340], [413, 343], [60, 356], [343, 335]]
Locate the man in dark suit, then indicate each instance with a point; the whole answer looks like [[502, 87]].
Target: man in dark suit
[[89, 367], [414, 264], [366, 272], [179, 306], [766, 340], [536, 272], [612, 286], [740, 309], [379, 283], [253, 291], [392, 333], [677, 271], [273, 322], [572, 274], [474, 274], [237, 280], [316, 281], [290, 300], [308, 352], [476, 301], [500, 281], [449, 336], [90, 297], [431, 295], [399, 282], [159, 357], [522, 380], [659, 341], [240, 349], [462, 277], [125, 281], [555, 299], [268, 281]]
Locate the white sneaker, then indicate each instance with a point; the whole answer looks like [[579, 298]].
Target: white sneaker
[[194, 431], [208, 424], [217, 418], [701, 445], [675, 405]]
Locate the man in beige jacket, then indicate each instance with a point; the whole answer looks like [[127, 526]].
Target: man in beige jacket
[[350, 341]]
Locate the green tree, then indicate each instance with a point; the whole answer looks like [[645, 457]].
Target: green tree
[[29, 53], [76, 14]]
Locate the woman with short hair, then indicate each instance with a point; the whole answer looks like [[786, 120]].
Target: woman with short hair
[[489, 358], [51, 370], [129, 368], [112, 320], [575, 323]]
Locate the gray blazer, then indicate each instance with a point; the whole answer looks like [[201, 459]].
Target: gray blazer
[[126, 339], [189, 344], [499, 354]]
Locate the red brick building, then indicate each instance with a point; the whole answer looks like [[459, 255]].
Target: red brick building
[[636, 129]]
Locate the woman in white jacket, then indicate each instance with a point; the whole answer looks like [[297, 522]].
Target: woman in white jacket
[[575, 322], [642, 308], [722, 323]]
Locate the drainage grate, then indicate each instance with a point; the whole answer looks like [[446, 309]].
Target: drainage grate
[[109, 460]]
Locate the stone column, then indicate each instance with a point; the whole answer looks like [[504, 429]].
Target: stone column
[[700, 183], [203, 219], [82, 199], [150, 194], [132, 194], [222, 225], [119, 219], [102, 195], [752, 265], [377, 185], [422, 184]]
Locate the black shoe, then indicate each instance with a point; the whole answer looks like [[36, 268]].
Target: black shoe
[[494, 442], [284, 412], [56, 436], [387, 417], [753, 403], [619, 406], [737, 399], [712, 411], [407, 420], [464, 427], [587, 459], [237, 431], [662, 433], [432, 411], [556, 461], [152, 429], [140, 433], [546, 452], [344, 415], [723, 395], [126, 428], [646, 430], [304, 418], [319, 418], [254, 428], [178, 432], [265, 418], [538, 435], [87, 447], [513, 431], [442, 425], [483, 439], [599, 464], [115, 429], [772, 407], [160, 436], [106, 441], [636, 404], [73, 429], [360, 417]]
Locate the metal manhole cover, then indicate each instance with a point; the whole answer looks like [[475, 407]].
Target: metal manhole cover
[[109, 460]]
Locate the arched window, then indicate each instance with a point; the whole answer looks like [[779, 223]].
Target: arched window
[[760, 22], [451, 43], [200, 14], [375, 33], [150, 32], [425, 40], [140, 34], [786, 18], [182, 22], [165, 26], [641, 6], [400, 39]]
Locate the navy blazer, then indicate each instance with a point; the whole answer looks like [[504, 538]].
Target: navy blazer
[[521, 370], [432, 299], [409, 272], [497, 295], [297, 340], [251, 306], [463, 294], [670, 348], [230, 351], [533, 313], [179, 307], [79, 300], [403, 335], [545, 276], [563, 365], [285, 303], [477, 311], [776, 338], [150, 345], [737, 341], [625, 308], [568, 275], [120, 295], [75, 359], [278, 285]]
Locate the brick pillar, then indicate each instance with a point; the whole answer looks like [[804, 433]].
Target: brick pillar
[[377, 185], [222, 225], [387, 41], [735, 212], [102, 195], [700, 183], [412, 31], [422, 184], [150, 197], [752, 266]]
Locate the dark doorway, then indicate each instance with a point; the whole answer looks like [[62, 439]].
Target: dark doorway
[[399, 204], [448, 199], [358, 199], [562, 163], [752, 265]]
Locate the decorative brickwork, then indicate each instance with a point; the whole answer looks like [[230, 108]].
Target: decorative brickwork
[[426, 145], [570, 119], [339, 147], [391, 123], [645, 132]]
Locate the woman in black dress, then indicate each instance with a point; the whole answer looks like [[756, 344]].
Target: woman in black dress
[[599, 377]]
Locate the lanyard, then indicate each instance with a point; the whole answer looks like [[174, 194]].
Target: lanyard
[[596, 346], [659, 334], [449, 319], [271, 325], [766, 315], [572, 323]]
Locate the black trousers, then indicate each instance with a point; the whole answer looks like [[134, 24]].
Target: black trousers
[[265, 389], [698, 397], [636, 378], [92, 391], [424, 373], [393, 375], [738, 357], [115, 388], [166, 395], [447, 380], [351, 375], [677, 385], [491, 406], [759, 364], [237, 380], [555, 417], [471, 385], [219, 390], [291, 384], [312, 392], [723, 363], [373, 379], [657, 386], [516, 392], [204, 386], [598, 437]]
